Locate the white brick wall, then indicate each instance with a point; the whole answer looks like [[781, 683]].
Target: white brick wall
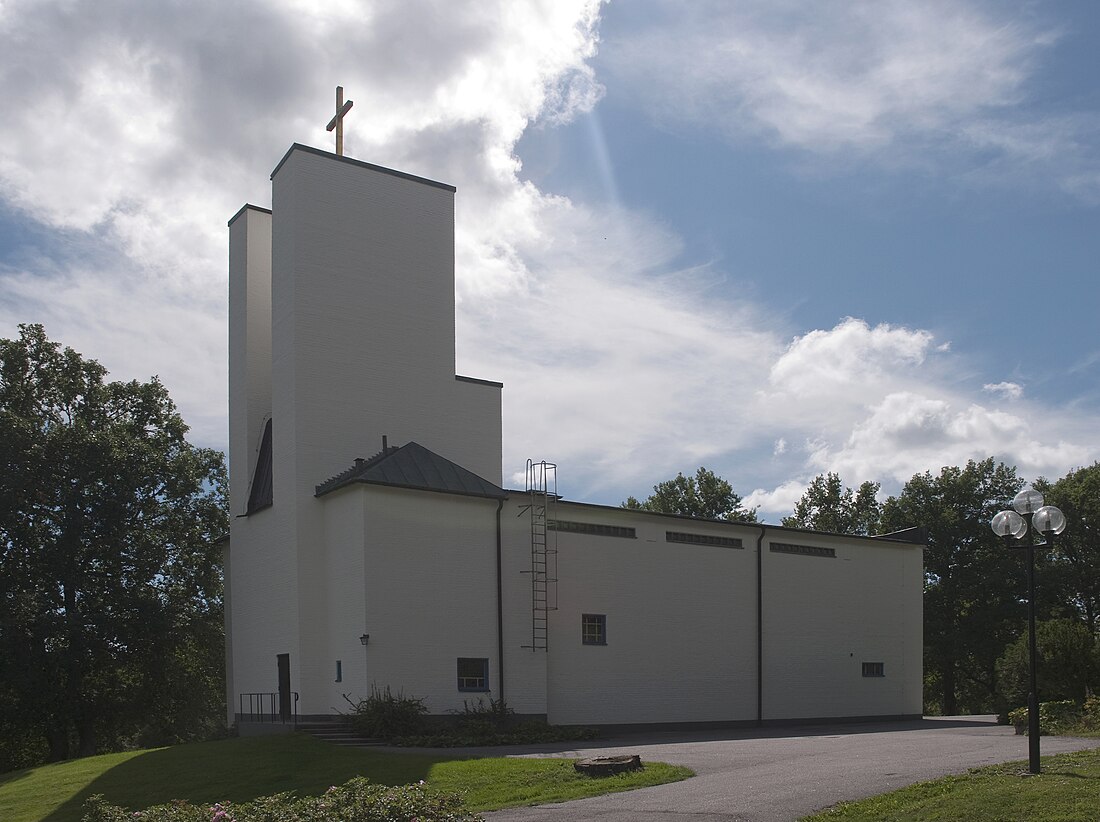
[[342, 327], [681, 645], [430, 591], [824, 617]]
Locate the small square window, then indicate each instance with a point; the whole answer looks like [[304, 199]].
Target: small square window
[[473, 674], [593, 629], [874, 669]]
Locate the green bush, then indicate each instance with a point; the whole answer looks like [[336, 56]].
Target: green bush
[[1058, 717], [1090, 714], [20, 746], [483, 716], [385, 716], [1054, 717], [402, 720], [356, 800]]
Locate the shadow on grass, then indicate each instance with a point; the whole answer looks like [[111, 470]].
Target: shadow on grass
[[612, 737], [14, 776], [238, 770]]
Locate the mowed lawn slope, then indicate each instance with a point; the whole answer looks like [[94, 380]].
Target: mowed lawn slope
[[237, 770], [1068, 790]]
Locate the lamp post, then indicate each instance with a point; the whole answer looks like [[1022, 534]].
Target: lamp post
[[1030, 516]]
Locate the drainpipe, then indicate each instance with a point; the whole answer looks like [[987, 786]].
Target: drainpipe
[[500, 610], [760, 626]]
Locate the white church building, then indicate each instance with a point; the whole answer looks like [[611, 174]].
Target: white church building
[[373, 543]]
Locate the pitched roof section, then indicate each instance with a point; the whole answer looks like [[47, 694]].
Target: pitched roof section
[[413, 466]]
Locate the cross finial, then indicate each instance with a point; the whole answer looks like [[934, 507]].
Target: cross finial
[[337, 122]]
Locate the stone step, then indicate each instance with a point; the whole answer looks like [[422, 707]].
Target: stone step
[[337, 733], [334, 725]]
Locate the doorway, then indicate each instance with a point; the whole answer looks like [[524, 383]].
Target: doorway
[[284, 687]]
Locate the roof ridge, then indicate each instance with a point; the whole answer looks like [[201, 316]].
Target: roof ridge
[[360, 465]]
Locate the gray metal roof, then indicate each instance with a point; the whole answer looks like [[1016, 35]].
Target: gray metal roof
[[413, 466]]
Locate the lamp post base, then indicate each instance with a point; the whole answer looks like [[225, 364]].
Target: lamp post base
[[1033, 734]]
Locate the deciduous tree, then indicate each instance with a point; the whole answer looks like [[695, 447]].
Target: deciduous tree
[[110, 581], [1071, 572], [1069, 664], [974, 586], [827, 505], [704, 495]]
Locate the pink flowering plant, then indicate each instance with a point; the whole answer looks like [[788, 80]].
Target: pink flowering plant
[[357, 800]]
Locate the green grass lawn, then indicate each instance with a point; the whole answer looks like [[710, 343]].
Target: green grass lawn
[[241, 769], [1068, 790]]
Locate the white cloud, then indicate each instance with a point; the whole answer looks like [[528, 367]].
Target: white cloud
[[851, 354], [884, 403], [143, 127], [857, 74], [908, 433], [826, 378], [133, 131], [614, 367], [781, 499], [907, 83], [1008, 390]]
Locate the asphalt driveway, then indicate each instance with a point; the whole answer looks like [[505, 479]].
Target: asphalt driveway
[[781, 774]]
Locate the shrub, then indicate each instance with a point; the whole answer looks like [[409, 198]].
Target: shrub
[[385, 716], [356, 800], [1018, 718], [1090, 714], [482, 719], [1058, 717], [1054, 717], [1069, 663]]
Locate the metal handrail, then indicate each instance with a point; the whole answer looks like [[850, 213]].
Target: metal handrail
[[264, 707]]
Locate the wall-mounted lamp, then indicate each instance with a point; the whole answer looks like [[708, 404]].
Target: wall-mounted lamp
[[364, 639]]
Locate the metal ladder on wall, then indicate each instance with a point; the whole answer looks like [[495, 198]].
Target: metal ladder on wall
[[542, 488]]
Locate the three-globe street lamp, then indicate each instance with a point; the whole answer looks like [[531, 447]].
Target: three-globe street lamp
[[1030, 516]]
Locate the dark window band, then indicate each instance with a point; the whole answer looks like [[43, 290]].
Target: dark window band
[[595, 529], [703, 539], [804, 550]]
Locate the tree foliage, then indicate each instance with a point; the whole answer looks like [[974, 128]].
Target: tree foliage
[[1069, 664], [974, 586], [1071, 574], [704, 495], [827, 505], [110, 581]]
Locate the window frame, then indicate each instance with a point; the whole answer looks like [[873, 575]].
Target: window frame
[[599, 621], [480, 683], [874, 670]]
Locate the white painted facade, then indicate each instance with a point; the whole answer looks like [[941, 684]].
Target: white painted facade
[[342, 334]]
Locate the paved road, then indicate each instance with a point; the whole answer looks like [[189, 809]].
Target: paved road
[[778, 775]]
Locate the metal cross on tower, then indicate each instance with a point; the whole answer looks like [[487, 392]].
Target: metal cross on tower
[[337, 122]]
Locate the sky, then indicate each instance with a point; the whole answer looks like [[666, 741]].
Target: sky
[[771, 238]]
